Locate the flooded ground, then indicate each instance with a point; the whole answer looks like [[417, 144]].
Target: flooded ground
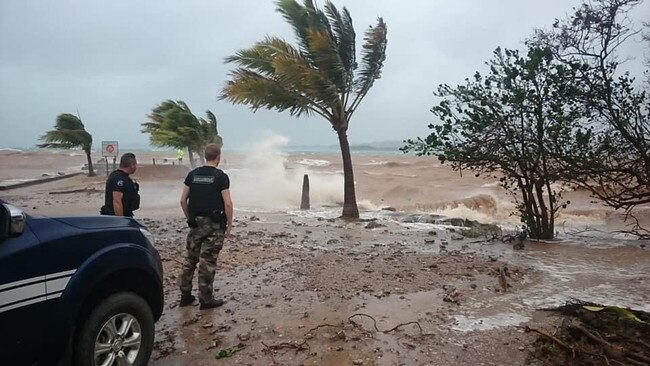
[[401, 286], [295, 281]]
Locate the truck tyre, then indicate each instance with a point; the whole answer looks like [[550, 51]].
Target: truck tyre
[[118, 331]]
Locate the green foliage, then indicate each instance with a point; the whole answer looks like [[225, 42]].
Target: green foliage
[[503, 125], [228, 352], [318, 76], [172, 124], [610, 155], [69, 133]]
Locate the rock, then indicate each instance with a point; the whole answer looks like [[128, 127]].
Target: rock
[[374, 225], [434, 233], [493, 258], [422, 218], [333, 241], [522, 348], [473, 286], [455, 236], [392, 209], [443, 242], [244, 336], [429, 241], [254, 218], [357, 362]]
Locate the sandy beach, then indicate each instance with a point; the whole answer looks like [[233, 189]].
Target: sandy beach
[[401, 286]]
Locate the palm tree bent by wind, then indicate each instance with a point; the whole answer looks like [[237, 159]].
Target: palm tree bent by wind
[[69, 133], [320, 76]]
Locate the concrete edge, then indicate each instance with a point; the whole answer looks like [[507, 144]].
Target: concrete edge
[[38, 181]]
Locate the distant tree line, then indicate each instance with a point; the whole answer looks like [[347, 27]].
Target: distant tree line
[[563, 113]]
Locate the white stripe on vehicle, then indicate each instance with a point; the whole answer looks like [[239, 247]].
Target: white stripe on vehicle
[[25, 303], [22, 293], [21, 282], [56, 285], [33, 290], [59, 274], [50, 297]]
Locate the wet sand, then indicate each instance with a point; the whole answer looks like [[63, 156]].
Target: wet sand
[[292, 279]]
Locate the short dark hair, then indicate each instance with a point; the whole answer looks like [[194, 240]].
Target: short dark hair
[[212, 151], [127, 160]]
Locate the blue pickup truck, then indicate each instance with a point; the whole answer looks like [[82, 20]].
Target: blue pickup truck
[[77, 290]]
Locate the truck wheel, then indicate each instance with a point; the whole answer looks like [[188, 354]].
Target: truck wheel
[[118, 331]]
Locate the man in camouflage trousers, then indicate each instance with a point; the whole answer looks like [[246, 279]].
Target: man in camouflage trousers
[[207, 205]]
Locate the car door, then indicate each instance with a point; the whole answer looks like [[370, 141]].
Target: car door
[[23, 298]]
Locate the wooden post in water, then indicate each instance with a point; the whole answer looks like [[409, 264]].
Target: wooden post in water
[[304, 203]]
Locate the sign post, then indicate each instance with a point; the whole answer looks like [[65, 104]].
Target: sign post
[[109, 149]]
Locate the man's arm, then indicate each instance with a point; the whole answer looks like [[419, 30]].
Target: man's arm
[[184, 196], [118, 209], [227, 202]]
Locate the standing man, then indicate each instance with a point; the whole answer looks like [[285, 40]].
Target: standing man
[[121, 196], [208, 209]]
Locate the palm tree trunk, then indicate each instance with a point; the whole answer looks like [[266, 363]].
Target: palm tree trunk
[[350, 209], [201, 157], [91, 171], [191, 156]]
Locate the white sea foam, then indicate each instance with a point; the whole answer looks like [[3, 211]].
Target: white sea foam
[[313, 162], [374, 162]]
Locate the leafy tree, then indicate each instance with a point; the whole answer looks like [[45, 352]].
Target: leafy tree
[[612, 156], [319, 76], [172, 124], [69, 133], [501, 125]]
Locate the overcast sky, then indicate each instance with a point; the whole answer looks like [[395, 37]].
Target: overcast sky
[[113, 61]]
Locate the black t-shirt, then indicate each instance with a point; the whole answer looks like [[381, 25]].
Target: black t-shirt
[[119, 181], [206, 184]]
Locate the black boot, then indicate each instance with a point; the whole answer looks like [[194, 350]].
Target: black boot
[[213, 303], [187, 299]]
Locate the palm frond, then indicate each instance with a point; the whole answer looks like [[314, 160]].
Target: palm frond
[[259, 91], [298, 17], [372, 60], [67, 121], [66, 139], [372, 56], [325, 57], [345, 38]]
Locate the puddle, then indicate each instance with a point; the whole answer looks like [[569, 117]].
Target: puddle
[[468, 324]]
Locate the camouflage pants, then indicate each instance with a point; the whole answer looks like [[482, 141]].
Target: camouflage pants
[[204, 243]]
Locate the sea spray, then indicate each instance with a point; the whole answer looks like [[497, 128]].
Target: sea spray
[[268, 180]]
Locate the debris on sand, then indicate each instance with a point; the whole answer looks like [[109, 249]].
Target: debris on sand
[[593, 334]]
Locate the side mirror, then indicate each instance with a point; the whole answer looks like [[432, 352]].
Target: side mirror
[[13, 221]]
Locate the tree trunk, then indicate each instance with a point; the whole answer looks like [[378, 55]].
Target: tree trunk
[[201, 157], [350, 209], [190, 154], [91, 171]]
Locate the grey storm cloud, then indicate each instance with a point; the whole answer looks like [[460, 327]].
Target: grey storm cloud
[[113, 61]]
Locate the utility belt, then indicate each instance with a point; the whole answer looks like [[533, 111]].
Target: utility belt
[[217, 216]]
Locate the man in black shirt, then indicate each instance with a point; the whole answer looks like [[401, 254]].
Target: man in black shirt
[[121, 196], [208, 209]]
